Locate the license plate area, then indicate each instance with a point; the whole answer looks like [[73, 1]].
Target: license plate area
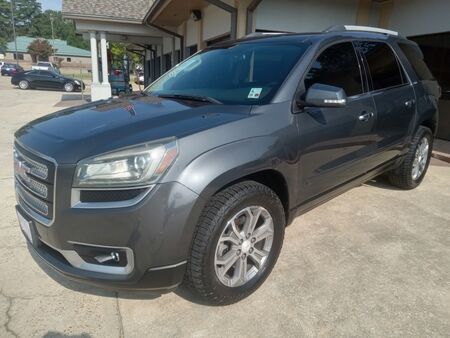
[[25, 225]]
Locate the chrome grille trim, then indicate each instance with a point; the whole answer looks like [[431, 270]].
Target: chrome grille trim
[[33, 202], [47, 221], [34, 186], [36, 169], [30, 212]]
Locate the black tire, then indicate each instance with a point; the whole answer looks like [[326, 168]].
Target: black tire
[[402, 177], [201, 278], [24, 84]]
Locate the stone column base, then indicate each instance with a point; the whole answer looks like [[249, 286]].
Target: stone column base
[[100, 91]]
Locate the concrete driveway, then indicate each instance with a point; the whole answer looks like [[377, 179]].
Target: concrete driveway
[[374, 262]]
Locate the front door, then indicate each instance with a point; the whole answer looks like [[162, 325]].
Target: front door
[[335, 143]]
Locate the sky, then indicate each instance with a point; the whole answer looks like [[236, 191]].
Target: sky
[[51, 4]]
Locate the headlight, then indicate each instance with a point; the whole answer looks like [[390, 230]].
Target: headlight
[[77, 82], [135, 166]]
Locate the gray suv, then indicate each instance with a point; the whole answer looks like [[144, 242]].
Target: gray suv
[[194, 180]]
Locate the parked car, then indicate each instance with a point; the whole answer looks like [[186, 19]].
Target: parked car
[[195, 179], [139, 78], [120, 83], [44, 79], [45, 66], [9, 69]]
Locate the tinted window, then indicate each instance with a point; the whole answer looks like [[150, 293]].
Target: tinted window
[[44, 73], [383, 65], [415, 58], [337, 66], [246, 73]]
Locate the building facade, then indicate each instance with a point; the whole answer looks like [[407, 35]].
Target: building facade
[[167, 31], [64, 54]]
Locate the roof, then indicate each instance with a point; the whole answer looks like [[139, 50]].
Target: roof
[[61, 47], [121, 10]]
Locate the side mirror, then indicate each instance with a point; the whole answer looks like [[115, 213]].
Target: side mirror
[[320, 95]]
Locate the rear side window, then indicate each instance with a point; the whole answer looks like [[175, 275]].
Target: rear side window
[[415, 58], [383, 65], [337, 66]]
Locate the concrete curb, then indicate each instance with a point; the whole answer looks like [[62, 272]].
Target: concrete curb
[[441, 156]]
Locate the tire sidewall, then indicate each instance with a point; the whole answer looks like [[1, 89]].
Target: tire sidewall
[[275, 210], [422, 132]]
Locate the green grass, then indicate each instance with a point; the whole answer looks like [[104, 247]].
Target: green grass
[[82, 76]]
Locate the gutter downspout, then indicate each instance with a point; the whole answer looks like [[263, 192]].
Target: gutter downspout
[[233, 12], [249, 21]]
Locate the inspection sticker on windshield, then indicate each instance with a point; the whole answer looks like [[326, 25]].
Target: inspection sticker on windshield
[[254, 93]]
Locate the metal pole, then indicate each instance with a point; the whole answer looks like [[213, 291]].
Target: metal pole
[[53, 37], [14, 30]]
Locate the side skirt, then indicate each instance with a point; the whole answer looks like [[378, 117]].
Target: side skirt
[[330, 194]]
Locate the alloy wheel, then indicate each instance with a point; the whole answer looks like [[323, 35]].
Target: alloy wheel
[[23, 84], [420, 158], [68, 87], [244, 246]]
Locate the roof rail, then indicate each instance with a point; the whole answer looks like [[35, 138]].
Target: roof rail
[[262, 34], [339, 28]]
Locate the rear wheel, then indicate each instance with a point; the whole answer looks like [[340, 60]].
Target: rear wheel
[[415, 164], [24, 84], [236, 244], [68, 87]]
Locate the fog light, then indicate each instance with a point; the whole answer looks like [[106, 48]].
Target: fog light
[[101, 255], [113, 256]]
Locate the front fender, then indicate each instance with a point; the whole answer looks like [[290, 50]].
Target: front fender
[[220, 166]]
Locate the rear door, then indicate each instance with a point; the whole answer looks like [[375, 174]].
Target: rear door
[[335, 142], [394, 98]]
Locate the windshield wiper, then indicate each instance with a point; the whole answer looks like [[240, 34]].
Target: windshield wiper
[[190, 97]]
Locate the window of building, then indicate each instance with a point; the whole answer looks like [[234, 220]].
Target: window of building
[[18, 56], [167, 62], [191, 50], [384, 68], [337, 66], [69, 59]]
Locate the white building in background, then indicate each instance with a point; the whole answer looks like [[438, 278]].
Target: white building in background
[[166, 31]]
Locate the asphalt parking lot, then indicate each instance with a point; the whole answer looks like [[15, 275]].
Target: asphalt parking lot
[[374, 262]]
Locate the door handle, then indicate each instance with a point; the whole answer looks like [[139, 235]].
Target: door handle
[[410, 103], [365, 116]]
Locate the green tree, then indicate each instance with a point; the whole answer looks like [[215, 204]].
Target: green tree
[[40, 50], [119, 50], [62, 29], [24, 12], [2, 44]]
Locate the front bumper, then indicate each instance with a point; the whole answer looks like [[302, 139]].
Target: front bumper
[[157, 231]]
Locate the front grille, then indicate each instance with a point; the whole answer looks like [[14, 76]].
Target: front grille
[[34, 182]]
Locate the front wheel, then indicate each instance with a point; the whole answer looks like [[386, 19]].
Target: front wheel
[[68, 87], [415, 164], [24, 84], [236, 244]]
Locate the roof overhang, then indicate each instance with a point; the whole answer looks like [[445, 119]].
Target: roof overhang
[[122, 32], [172, 13]]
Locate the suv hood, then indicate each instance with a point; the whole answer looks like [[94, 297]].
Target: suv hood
[[72, 134]]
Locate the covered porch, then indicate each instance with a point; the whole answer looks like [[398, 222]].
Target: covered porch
[[101, 24]]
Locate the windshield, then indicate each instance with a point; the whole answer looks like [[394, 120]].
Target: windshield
[[247, 73]]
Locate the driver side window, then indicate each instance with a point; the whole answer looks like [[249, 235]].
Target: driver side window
[[337, 66]]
